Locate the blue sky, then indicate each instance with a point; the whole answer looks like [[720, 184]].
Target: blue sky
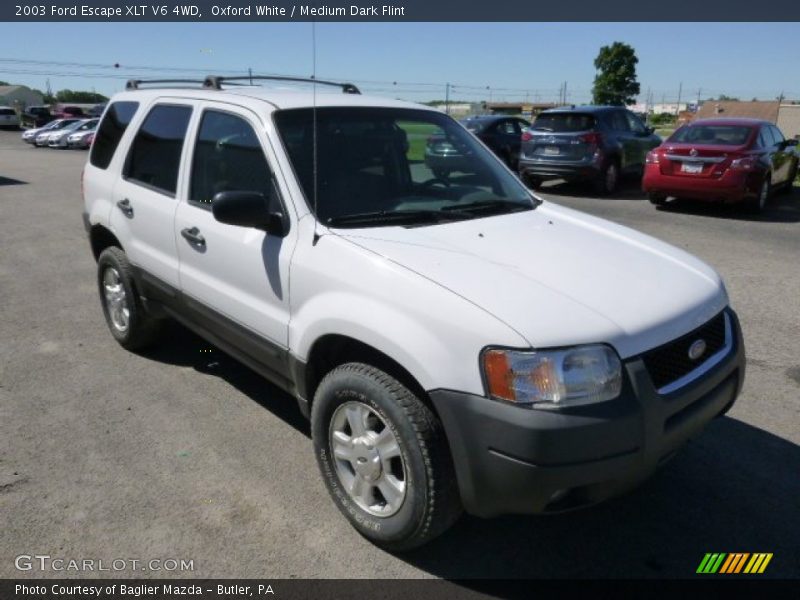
[[514, 59]]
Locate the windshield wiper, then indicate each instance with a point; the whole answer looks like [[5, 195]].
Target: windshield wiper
[[399, 217], [497, 205]]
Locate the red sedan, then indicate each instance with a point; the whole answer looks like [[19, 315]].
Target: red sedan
[[722, 160]]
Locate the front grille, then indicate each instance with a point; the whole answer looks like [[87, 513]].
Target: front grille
[[671, 361]]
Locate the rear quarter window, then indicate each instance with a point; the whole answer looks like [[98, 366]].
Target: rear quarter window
[[155, 154], [7, 111], [109, 133]]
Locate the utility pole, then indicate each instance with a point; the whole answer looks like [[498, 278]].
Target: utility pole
[[780, 98], [678, 105], [447, 98], [699, 91], [647, 106], [250, 74], [565, 92]]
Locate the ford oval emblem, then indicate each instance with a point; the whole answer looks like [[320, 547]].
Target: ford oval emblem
[[697, 349]]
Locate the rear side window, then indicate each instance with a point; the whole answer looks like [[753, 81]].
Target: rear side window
[[564, 122], [155, 154], [110, 132], [7, 111], [227, 158]]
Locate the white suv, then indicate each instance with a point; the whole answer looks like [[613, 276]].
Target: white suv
[[455, 341]]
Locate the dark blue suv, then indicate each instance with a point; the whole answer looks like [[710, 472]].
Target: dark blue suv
[[597, 144]]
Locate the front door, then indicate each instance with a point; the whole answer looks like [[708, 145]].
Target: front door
[[234, 279]]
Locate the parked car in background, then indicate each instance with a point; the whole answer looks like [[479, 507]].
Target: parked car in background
[[83, 135], [63, 111], [8, 118], [96, 110], [722, 160], [34, 117], [597, 144], [29, 135], [59, 138], [501, 133], [43, 137]]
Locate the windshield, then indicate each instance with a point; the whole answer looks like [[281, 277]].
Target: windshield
[[713, 135], [375, 167]]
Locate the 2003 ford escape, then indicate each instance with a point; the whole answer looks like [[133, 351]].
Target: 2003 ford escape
[[455, 341]]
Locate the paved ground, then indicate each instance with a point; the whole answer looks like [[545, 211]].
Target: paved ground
[[182, 453]]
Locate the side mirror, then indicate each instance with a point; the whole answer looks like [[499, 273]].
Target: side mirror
[[248, 209], [650, 130]]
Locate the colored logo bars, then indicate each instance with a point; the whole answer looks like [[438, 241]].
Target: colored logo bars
[[737, 562]]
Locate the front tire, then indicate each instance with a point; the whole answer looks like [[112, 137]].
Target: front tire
[[126, 317], [384, 457]]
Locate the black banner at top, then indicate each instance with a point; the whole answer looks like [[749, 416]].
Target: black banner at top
[[397, 10]]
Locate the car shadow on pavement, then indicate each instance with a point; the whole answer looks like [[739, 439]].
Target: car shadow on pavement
[[734, 489], [10, 181], [784, 207], [628, 189], [181, 347]]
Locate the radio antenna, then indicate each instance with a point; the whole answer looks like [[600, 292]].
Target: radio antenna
[[314, 123]]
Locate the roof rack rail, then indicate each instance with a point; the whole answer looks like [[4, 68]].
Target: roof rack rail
[[215, 81], [133, 84]]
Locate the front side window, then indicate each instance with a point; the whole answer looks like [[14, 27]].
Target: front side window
[[776, 134], [114, 124], [155, 155], [634, 123], [227, 158], [385, 166]]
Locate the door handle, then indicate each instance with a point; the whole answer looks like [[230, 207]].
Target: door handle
[[126, 208], [193, 236]]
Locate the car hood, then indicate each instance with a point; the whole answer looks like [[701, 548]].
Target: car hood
[[560, 277]]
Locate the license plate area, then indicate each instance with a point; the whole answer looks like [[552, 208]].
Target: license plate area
[[551, 151], [692, 168]]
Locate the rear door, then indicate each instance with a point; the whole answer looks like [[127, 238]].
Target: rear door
[[145, 196], [626, 141], [641, 141], [234, 279]]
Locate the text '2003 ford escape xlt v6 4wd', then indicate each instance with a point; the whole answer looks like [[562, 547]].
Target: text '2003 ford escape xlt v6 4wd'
[[456, 342]]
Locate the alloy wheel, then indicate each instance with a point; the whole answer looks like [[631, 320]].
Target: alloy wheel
[[368, 460], [116, 300]]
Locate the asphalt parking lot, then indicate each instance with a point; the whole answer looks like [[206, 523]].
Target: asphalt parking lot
[[182, 453]]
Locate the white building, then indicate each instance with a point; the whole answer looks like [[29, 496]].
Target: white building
[[19, 96]]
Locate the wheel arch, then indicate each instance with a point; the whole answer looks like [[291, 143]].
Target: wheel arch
[[101, 238], [332, 350]]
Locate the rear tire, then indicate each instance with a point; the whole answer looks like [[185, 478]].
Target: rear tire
[[759, 203], [533, 183], [126, 316], [608, 180], [371, 434]]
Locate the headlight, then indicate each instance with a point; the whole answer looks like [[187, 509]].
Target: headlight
[[553, 378]]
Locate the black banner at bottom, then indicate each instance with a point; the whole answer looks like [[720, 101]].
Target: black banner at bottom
[[375, 589]]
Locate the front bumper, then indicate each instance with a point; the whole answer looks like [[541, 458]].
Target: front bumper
[[510, 459]]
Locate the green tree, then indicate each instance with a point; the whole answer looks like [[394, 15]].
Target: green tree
[[615, 82], [80, 97]]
